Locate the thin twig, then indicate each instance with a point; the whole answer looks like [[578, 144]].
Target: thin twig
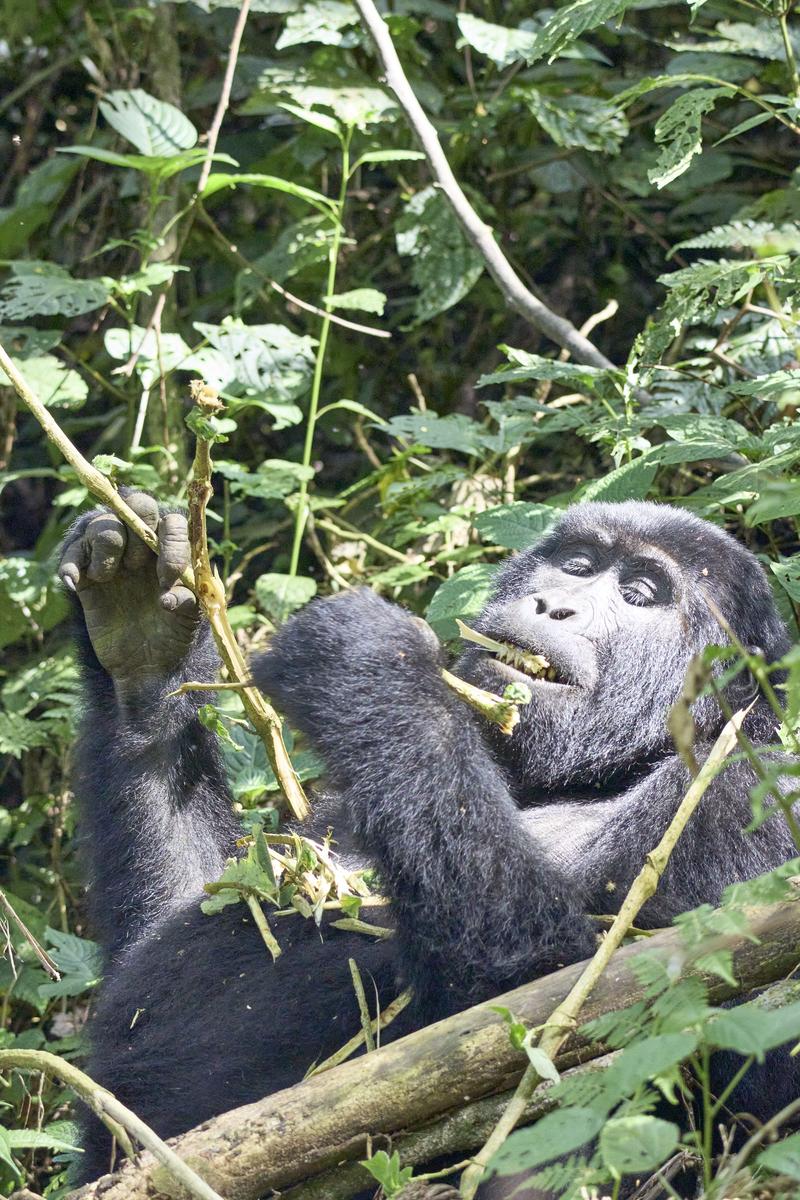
[[33, 942], [562, 1021], [377, 1024], [111, 1112], [514, 291], [225, 94]]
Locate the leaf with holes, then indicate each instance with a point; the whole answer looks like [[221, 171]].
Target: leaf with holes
[[678, 131], [44, 289], [445, 266]]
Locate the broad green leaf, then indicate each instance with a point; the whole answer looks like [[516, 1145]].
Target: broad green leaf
[[268, 360], [523, 367], [499, 43], [454, 432], [515, 526], [167, 352], [783, 1157], [364, 299], [300, 245], [162, 166], [38, 1139], [638, 1143], [56, 384], [351, 98], [5, 1152], [577, 122], [787, 572], [568, 23], [678, 132], [445, 266], [217, 181], [326, 21], [643, 1060], [280, 595], [274, 479], [387, 1171], [153, 126], [47, 290], [556, 1134], [753, 1029], [463, 596], [37, 196], [318, 119], [777, 500], [631, 481], [78, 960]]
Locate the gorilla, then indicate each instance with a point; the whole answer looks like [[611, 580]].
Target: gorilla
[[492, 850]]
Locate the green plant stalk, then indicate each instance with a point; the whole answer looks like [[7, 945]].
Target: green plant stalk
[[791, 61], [316, 384]]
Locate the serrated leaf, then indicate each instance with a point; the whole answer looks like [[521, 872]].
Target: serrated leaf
[[556, 1134], [268, 360], [631, 481], [678, 131], [274, 479], [577, 122], [752, 1029], [515, 526], [56, 384], [280, 595], [38, 1139], [153, 126], [463, 596], [637, 1143], [568, 23], [445, 265], [523, 367], [79, 961]]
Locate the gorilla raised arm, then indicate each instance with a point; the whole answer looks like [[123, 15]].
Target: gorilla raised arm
[[492, 850]]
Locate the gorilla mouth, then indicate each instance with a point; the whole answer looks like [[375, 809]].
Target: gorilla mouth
[[535, 666]]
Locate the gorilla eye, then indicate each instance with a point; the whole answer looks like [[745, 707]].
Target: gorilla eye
[[578, 564], [640, 591]]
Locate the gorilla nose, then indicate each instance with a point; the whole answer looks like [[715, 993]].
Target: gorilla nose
[[556, 610]]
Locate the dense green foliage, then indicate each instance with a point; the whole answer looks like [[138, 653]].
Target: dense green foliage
[[635, 159]]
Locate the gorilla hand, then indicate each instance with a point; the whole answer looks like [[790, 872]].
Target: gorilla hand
[[345, 666], [141, 621]]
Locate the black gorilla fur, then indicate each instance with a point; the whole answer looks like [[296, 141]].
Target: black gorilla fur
[[491, 849]]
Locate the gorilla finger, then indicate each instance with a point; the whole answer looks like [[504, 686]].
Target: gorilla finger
[[180, 601], [173, 548], [146, 507], [74, 561], [105, 536]]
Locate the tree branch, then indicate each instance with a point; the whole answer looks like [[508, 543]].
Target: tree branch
[[299, 1133], [514, 291]]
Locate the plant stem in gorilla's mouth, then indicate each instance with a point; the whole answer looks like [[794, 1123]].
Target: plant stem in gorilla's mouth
[[515, 656]]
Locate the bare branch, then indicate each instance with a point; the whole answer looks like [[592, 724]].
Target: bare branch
[[514, 291]]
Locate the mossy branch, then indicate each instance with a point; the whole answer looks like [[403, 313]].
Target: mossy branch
[[115, 1116]]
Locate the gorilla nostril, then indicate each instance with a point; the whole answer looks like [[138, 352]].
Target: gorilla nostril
[[561, 614]]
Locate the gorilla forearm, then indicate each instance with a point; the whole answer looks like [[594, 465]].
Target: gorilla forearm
[[155, 809], [427, 802]]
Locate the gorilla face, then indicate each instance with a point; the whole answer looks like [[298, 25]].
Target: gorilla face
[[616, 598]]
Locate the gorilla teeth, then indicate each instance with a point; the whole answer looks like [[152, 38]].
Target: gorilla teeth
[[522, 660]]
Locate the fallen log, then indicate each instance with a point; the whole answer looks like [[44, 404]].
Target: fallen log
[[296, 1134]]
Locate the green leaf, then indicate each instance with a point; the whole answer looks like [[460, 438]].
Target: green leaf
[[639, 1143], [320, 21], [388, 1172], [577, 122], [5, 1152], [268, 360], [499, 43], [643, 1060], [274, 479], [515, 526], [217, 181], [778, 499], [752, 1029], [445, 266], [56, 384], [454, 432], [556, 1134], [523, 367], [787, 572], [461, 597], [153, 126], [365, 299], [38, 1139], [382, 156], [317, 119], [78, 960], [783, 1157], [678, 132], [279, 595], [568, 23], [160, 166], [541, 1062], [631, 481], [44, 289]]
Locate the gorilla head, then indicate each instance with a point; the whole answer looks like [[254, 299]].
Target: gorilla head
[[618, 598]]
